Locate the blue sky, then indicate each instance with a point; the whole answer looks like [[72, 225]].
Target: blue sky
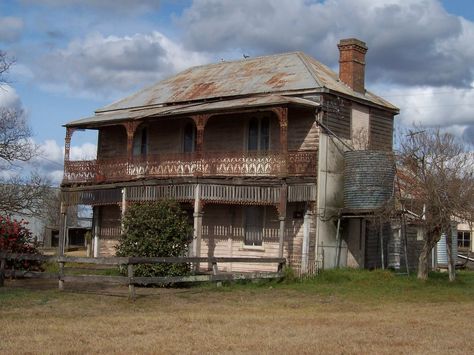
[[74, 56]]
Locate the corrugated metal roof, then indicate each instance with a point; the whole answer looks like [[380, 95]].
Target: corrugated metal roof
[[199, 107], [280, 73]]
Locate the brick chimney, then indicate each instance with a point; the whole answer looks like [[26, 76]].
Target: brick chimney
[[352, 63]]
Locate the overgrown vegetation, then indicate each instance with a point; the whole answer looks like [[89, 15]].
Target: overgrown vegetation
[[158, 229], [372, 286], [436, 171], [15, 237]]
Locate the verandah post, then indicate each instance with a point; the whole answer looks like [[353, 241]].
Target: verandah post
[[197, 225], [282, 218]]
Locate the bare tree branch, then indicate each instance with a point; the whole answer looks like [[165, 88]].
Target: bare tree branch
[[438, 183]]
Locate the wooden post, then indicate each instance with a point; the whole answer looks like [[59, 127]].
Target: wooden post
[[62, 229], [131, 285], [200, 121], [282, 115], [96, 217], [67, 145], [124, 207], [305, 252], [130, 128], [61, 276], [197, 225], [381, 244], [281, 236], [3, 262], [215, 270], [338, 243], [282, 218], [281, 266]]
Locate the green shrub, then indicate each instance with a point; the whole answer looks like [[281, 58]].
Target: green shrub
[[158, 229]]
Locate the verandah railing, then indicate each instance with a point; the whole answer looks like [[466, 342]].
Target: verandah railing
[[129, 263], [292, 163]]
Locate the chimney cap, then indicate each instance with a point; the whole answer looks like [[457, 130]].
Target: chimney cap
[[353, 42]]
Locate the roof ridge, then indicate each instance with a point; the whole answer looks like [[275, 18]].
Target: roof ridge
[[242, 60], [304, 59]]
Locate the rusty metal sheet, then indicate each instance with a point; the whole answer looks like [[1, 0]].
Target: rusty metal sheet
[[217, 106], [269, 74], [279, 73]]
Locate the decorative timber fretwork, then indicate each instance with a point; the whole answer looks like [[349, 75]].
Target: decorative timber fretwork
[[209, 193], [67, 143], [92, 197], [184, 192], [282, 115], [206, 164], [200, 121], [130, 127], [240, 194]]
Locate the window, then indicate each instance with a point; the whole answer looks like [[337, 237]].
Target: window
[[140, 142], [254, 222], [258, 134], [464, 239], [189, 139]]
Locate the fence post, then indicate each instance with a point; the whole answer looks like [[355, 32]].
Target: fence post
[[281, 266], [215, 270], [2, 269], [61, 275], [131, 285]]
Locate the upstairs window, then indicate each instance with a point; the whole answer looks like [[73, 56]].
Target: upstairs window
[[258, 134], [189, 139], [140, 142]]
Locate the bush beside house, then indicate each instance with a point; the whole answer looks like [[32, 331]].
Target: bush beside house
[[158, 229]]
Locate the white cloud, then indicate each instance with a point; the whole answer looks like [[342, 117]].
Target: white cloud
[[441, 106], [108, 5], [86, 151], [9, 98], [111, 66], [411, 42], [451, 109], [10, 29], [49, 162]]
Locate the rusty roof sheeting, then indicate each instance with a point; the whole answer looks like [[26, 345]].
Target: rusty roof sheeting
[[280, 73], [185, 109]]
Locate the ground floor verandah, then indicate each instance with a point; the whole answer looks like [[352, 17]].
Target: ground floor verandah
[[260, 220]]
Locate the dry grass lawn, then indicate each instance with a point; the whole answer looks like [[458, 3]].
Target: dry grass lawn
[[378, 314]]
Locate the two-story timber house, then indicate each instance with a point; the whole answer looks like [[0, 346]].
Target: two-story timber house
[[251, 148]]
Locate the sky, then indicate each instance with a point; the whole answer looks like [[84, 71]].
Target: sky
[[75, 56]]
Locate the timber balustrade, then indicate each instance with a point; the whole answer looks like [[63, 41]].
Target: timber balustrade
[[292, 163], [129, 263]]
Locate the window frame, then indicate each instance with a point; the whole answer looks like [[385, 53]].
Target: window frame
[[140, 149], [465, 240], [259, 134], [263, 218], [183, 136]]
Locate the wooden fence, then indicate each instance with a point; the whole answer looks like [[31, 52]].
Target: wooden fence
[[129, 263]]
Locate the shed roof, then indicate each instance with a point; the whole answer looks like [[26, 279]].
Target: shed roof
[[285, 73]]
